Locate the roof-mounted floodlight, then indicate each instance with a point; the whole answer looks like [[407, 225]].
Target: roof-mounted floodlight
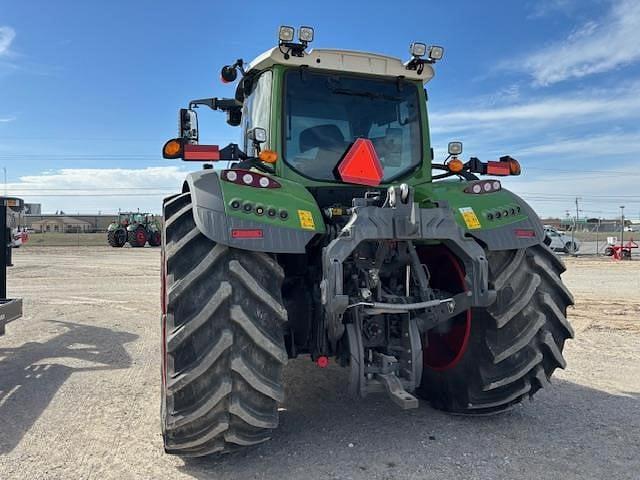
[[305, 34], [286, 44], [436, 53], [418, 49], [286, 34]]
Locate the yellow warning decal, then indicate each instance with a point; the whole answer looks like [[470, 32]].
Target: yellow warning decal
[[306, 220], [469, 217]]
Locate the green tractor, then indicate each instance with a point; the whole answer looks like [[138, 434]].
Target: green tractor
[[136, 228], [333, 233]]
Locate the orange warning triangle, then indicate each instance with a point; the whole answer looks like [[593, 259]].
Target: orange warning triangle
[[361, 164]]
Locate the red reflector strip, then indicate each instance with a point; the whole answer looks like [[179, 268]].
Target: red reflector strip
[[498, 168], [525, 233], [246, 233], [201, 152]]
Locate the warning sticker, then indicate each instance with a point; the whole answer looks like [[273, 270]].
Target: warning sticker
[[469, 217], [306, 220]]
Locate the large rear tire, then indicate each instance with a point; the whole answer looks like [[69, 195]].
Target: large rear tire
[[138, 237], [117, 238], [223, 344], [511, 348], [155, 239]]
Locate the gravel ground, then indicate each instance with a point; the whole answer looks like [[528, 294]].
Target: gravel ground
[[79, 392]]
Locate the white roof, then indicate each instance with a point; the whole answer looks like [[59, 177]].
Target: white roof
[[344, 60]]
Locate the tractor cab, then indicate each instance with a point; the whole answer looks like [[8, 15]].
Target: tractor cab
[[301, 113]]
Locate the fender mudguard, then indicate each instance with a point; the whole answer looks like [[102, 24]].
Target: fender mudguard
[[211, 218], [500, 220]]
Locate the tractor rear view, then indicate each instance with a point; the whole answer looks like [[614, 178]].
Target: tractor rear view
[[135, 228], [334, 234]]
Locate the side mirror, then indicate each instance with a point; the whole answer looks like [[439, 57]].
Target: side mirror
[[188, 125], [234, 117], [454, 148], [228, 74]]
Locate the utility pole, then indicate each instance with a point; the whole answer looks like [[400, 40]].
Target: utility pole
[[575, 226], [621, 230]]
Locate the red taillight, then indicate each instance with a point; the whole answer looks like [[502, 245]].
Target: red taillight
[[500, 169], [483, 186], [242, 233], [249, 179], [522, 233], [361, 164], [201, 153]]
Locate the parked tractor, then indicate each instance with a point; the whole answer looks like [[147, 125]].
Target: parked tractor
[[332, 232], [135, 228]]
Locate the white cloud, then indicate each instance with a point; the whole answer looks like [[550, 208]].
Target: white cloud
[[586, 106], [89, 190], [7, 119], [595, 47], [595, 145], [7, 34], [541, 8]]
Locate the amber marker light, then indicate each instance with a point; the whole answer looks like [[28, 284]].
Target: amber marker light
[[268, 156], [455, 165], [172, 149], [514, 167]]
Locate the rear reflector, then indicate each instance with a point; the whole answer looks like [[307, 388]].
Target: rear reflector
[[501, 169], [203, 153], [241, 233], [521, 233]]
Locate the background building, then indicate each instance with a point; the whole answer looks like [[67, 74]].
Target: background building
[[69, 223], [61, 224]]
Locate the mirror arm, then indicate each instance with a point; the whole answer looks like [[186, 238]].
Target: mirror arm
[[474, 165], [232, 153], [224, 104]]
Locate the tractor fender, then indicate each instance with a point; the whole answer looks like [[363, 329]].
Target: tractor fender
[[477, 215], [522, 234], [208, 206]]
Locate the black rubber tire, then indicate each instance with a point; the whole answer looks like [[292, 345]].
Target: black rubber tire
[[570, 247], [515, 344], [133, 237], [155, 239], [223, 337], [608, 251], [117, 238]]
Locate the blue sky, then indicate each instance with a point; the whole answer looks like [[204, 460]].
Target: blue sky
[[89, 90]]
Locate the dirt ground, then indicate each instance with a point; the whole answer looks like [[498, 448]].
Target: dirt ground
[[79, 392]]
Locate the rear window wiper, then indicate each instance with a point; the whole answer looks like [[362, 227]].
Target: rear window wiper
[[357, 93]]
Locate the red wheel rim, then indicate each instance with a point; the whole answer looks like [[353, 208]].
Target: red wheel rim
[[141, 237], [445, 350]]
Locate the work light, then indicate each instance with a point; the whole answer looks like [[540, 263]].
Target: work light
[[286, 33], [418, 49], [454, 148], [305, 34], [436, 53], [258, 135]]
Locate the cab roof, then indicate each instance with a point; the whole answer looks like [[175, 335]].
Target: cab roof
[[344, 61]]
